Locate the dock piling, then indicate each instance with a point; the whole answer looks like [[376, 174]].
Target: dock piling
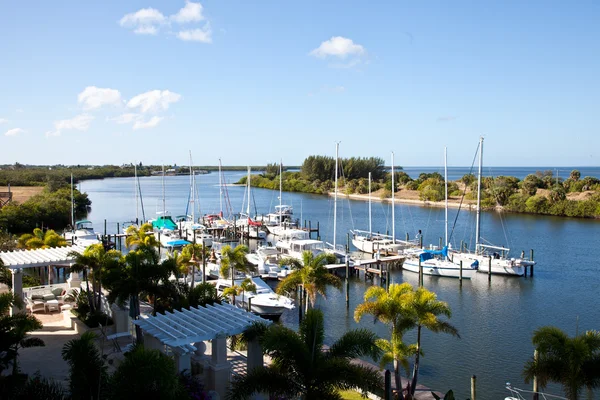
[[460, 276], [531, 259], [473, 387], [420, 273], [490, 268]]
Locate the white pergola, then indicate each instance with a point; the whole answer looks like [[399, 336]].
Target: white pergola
[[39, 257], [185, 331], [17, 260]]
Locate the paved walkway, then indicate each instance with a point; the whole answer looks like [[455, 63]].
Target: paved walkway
[[48, 360]]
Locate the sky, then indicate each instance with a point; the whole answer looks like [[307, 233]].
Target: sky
[[253, 82]]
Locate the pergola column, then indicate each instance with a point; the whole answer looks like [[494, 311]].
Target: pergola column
[[254, 360], [74, 279], [183, 360], [17, 288], [218, 367]]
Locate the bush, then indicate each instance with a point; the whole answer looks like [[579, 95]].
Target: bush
[[537, 204]]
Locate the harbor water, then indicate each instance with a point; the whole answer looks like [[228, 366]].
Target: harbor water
[[495, 318]]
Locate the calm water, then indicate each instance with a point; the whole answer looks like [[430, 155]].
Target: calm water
[[495, 320]]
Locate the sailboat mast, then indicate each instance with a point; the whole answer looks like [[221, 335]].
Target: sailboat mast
[[220, 188], [163, 191], [248, 207], [135, 190], [72, 205], [280, 187], [370, 229], [446, 191], [193, 189], [337, 149], [477, 228], [393, 203]]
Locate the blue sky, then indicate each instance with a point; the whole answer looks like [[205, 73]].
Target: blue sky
[[254, 81]]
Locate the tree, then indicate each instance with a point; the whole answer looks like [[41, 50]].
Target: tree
[[146, 374], [310, 274], [14, 330], [92, 262], [234, 259], [41, 240], [247, 287], [142, 235], [574, 362], [140, 274], [575, 175], [87, 370], [302, 368], [391, 308], [424, 309], [189, 252]]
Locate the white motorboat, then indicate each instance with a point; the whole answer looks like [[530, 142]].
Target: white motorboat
[[265, 302], [296, 248], [267, 259], [83, 234]]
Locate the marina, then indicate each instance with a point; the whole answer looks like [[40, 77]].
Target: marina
[[497, 314]]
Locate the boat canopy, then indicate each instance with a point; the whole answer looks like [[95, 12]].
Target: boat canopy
[[164, 222], [429, 254], [177, 243], [84, 221]]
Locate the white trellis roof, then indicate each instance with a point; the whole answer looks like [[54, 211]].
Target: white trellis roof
[[182, 328], [39, 257]]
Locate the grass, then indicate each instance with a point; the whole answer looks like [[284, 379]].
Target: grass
[[351, 395]]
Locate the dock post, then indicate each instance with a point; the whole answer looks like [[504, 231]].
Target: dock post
[[203, 263], [300, 303], [347, 271], [195, 239], [531, 259], [388, 385], [309, 230], [473, 387], [407, 237], [440, 242], [536, 395], [420, 273], [421, 242], [249, 304], [104, 227], [490, 268], [387, 277], [118, 231], [461, 271], [318, 230], [462, 245], [159, 246]]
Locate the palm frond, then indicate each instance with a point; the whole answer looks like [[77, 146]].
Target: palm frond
[[356, 343], [263, 380]]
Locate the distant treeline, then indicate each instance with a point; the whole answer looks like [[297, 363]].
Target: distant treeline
[[49, 209], [56, 175]]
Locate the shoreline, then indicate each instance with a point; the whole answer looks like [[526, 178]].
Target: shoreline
[[452, 203]]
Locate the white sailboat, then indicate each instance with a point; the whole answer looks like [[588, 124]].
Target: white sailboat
[[436, 262], [485, 254], [246, 223], [338, 250], [82, 232]]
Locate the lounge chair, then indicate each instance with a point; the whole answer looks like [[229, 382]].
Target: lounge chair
[[35, 305]]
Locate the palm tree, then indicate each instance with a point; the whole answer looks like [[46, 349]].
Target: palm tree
[[14, 330], [87, 370], [574, 362], [190, 253], [302, 368], [141, 273], [95, 259], [234, 259], [247, 286], [41, 240], [146, 374], [311, 275], [425, 309], [142, 235], [389, 307], [5, 275]]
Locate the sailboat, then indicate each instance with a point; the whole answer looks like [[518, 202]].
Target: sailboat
[[82, 232], [338, 250], [436, 262], [246, 223], [485, 254], [369, 242], [283, 215], [137, 192]]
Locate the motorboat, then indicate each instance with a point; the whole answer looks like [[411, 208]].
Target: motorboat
[[296, 248], [267, 261], [83, 234], [265, 302]]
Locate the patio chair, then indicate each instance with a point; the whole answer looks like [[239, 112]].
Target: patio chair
[[114, 340], [35, 305]]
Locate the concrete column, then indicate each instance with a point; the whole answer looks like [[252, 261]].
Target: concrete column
[[121, 318], [219, 370], [74, 280], [17, 288], [183, 361], [254, 360]]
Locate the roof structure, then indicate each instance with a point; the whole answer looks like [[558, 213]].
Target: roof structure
[[182, 328], [39, 257]]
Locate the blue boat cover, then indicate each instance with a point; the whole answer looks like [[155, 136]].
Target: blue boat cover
[[429, 254], [176, 243], [164, 222]]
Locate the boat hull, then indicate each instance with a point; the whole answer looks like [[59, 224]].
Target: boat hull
[[372, 246], [437, 268], [498, 267]]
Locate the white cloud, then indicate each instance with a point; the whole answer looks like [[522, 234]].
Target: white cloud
[[94, 97], [144, 21], [79, 123], [14, 132], [154, 100], [3, 120], [192, 12], [203, 35], [151, 123], [126, 118], [338, 46]]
